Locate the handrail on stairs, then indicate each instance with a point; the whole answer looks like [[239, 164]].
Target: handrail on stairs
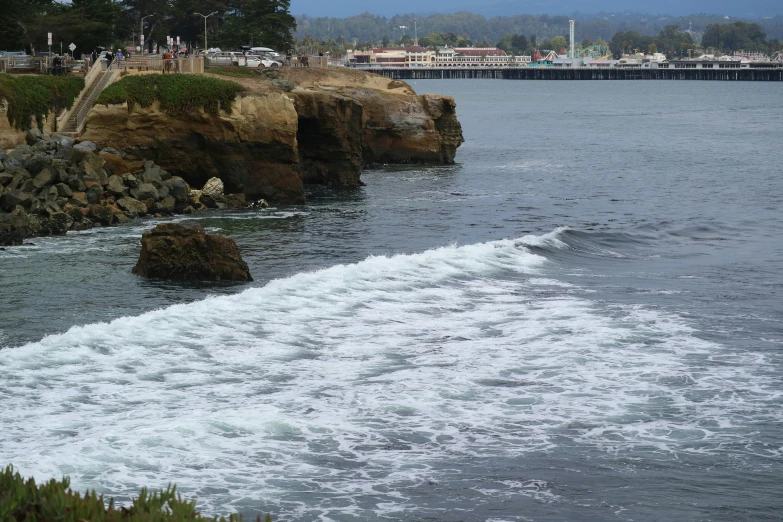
[[87, 103]]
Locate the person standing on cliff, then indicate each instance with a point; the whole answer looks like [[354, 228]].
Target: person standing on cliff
[[94, 57], [57, 65], [289, 57]]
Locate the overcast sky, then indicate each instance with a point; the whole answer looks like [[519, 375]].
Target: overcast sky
[[343, 8]]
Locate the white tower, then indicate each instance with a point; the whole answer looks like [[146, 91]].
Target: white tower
[[571, 26]]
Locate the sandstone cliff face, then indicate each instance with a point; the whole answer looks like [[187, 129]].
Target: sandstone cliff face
[[253, 149], [321, 132], [330, 138], [10, 137], [408, 129], [397, 125]]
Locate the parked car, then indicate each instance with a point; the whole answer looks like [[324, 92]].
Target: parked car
[[226, 58], [18, 59], [260, 61]]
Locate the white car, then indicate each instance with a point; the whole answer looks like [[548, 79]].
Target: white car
[[260, 61], [226, 58]]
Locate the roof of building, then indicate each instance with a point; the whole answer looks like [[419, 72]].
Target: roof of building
[[480, 51], [410, 49]]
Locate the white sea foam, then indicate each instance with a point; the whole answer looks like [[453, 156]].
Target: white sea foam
[[365, 381]]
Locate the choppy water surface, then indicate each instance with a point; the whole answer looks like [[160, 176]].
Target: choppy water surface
[[581, 320]]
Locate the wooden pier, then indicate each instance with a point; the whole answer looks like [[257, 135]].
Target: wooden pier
[[767, 74]]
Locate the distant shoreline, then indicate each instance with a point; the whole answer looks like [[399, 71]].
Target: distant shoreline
[[767, 74]]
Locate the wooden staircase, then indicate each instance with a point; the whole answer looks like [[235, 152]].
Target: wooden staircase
[[75, 123]]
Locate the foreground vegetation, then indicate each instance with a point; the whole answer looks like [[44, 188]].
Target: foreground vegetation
[[24, 500], [176, 93], [34, 97]]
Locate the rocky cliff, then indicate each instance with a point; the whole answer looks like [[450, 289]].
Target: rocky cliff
[[253, 149], [290, 126]]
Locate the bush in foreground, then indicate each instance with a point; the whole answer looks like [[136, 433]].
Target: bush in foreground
[[31, 97], [22, 500], [176, 92]]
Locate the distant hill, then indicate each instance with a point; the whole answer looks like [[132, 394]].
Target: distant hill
[[373, 28], [344, 8]]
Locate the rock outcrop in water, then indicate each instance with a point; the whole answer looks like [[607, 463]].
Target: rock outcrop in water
[[290, 126], [187, 253]]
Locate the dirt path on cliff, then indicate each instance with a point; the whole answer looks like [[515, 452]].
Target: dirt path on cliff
[[314, 78]]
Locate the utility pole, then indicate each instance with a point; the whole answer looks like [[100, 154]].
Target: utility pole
[[141, 33], [415, 33], [205, 28]]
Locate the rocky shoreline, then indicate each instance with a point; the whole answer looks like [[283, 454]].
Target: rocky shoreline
[[285, 129], [53, 184]]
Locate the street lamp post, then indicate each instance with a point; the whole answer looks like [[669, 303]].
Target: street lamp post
[[141, 33], [205, 28]]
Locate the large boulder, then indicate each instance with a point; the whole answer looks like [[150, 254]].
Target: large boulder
[[65, 152], [16, 226], [83, 149], [11, 162], [213, 188], [132, 206], [114, 163], [145, 191], [37, 162], [76, 183], [34, 135], [100, 214], [178, 189], [186, 253], [63, 141], [63, 190], [57, 224], [152, 175], [115, 186], [166, 205], [15, 197], [93, 167], [45, 178]]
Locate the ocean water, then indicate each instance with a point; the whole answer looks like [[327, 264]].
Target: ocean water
[[580, 320]]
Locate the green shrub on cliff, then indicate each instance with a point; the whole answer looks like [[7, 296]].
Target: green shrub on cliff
[[31, 97], [175, 92], [23, 500]]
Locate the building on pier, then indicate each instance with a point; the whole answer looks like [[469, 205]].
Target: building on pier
[[446, 57]]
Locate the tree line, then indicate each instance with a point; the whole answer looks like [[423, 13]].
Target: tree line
[[671, 41], [372, 31], [91, 24], [722, 38]]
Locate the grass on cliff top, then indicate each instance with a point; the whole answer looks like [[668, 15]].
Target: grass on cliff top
[[176, 93], [31, 97], [23, 500]]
